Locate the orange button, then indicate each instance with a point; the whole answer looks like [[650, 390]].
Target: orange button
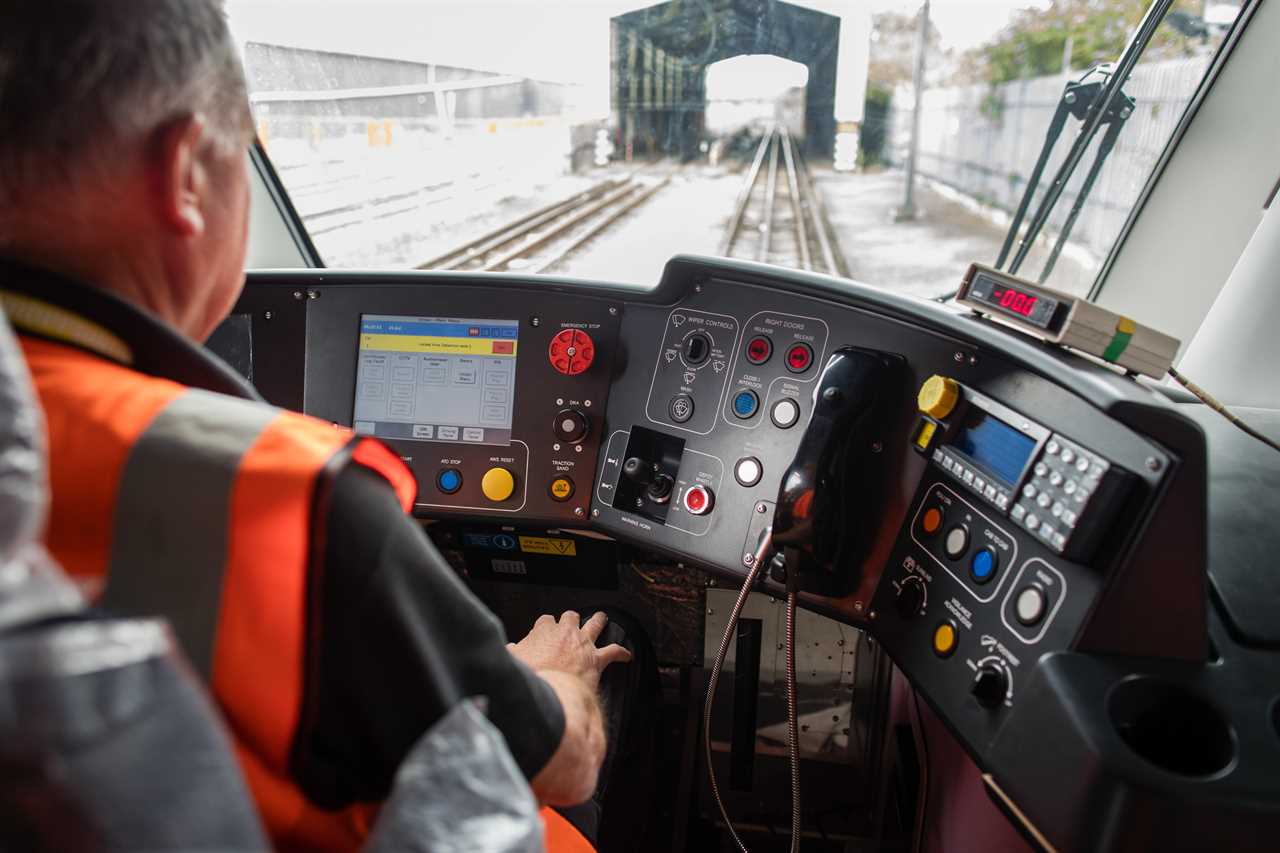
[[944, 639], [932, 520]]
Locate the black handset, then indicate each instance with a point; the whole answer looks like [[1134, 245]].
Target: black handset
[[829, 499]]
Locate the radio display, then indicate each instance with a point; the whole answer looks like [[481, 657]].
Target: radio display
[[1038, 309], [436, 378], [993, 444]]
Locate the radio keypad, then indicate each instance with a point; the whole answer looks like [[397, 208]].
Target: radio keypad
[[1063, 479]]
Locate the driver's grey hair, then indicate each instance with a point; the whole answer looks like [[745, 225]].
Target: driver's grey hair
[[82, 81]]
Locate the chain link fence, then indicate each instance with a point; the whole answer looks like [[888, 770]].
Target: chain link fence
[[983, 141]]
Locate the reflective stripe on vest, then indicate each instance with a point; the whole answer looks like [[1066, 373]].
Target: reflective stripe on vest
[[173, 515]]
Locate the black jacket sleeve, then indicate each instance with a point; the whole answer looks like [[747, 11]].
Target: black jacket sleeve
[[394, 640]]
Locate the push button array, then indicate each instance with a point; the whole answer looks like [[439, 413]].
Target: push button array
[[1063, 479]]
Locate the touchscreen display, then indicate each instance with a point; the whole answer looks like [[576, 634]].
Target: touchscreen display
[[436, 378], [998, 447]]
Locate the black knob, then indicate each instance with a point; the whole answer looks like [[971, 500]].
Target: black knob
[[571, 425], [990, 685], [659, 491], [638, 470], [910, 600]]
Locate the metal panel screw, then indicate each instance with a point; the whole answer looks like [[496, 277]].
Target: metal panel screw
[[579, 511], [748, 559], [266, 315], [857, 606], [297, 294], [595, 513], [313, 294], [613, 312], [1153, 464], [760, 508], [959, 357], [876, 447]]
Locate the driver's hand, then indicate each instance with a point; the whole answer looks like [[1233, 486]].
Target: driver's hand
[[569, 645]]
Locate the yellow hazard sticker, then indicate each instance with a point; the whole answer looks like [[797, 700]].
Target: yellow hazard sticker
[[545, 545]]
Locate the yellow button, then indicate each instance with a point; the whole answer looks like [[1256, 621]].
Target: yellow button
[[562, 488], [944, 639], [498, 484], [938, 396], [925, 434]]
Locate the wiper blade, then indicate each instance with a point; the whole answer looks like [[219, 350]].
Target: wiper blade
[[1109, 106]]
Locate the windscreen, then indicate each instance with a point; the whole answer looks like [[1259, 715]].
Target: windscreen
[[887, 141]]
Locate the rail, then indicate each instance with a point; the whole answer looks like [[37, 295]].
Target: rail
[[797, 234], [543, 238]]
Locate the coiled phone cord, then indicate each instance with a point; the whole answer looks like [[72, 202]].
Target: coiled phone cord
[[793, 728]]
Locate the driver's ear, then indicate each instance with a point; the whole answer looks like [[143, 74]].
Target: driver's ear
[[179, 179]]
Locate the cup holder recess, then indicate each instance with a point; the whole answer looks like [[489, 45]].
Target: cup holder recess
[[1171, 727]]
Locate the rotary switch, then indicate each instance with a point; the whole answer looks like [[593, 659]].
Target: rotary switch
[[990, 685], [571, 352], [571, 425]]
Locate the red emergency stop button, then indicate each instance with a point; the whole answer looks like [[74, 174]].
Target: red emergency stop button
[[799, 357], [571, 351], [698, 500]]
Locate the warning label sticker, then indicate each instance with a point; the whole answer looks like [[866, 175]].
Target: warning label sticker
[[545, 545]]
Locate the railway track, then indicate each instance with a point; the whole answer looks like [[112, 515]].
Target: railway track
[[543, 238], [779, 218]]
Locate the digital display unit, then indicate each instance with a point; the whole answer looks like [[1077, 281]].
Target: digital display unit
[[436, 378], [1038, 309], [996, 446]]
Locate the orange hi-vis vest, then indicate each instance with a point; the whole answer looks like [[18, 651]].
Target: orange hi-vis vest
[[199, 507]]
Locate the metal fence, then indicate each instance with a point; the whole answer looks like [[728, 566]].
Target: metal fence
[[983, 141]]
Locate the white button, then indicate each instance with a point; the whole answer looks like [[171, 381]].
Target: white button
[[1055, 478], [1052, 448], [1041, 469], [1046, 530], [1069, 517], [968, 476], [1032, 521], [937, 455], [957, 542], [1030, 605], [948, 463], [785, 413], [1044, 500], [1059, 541], [1067, 455], [748, 471], [1018, 512], [979, 483], [1057, 510], [990, 492], [1082, 464], [1002, 500], [958, 470], [1069, 487], [1028, 491]]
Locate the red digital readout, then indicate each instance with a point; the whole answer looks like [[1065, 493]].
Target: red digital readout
[[1019, 303]]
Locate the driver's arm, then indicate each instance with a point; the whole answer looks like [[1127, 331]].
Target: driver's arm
[[395, 637]]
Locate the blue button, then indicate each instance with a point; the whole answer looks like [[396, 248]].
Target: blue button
[[449, 480], [983, 565], [745, 404]]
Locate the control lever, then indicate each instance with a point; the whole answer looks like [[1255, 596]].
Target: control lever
[[656, 485], [830, 496]]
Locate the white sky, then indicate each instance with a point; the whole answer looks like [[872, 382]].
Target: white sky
[[552, 39]]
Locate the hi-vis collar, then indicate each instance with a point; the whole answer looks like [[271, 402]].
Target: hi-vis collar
[[28, 314]]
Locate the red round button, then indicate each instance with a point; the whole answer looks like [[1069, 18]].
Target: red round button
[[799, 357], [571, 351], [697, 500], [759, 349]]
